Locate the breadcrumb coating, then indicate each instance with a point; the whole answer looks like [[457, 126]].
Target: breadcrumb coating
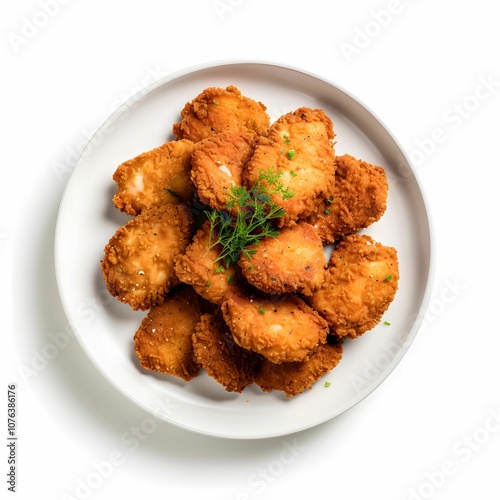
[[294, 261], [155, 178], [218, 163], [359, 199], [280, 328], [296, 377], [138, 263], [299, 146], [361, 282], [217, 109], [163, 341], [217, 353], [198, 267]]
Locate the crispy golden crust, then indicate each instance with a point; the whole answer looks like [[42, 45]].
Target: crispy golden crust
[[163, 341], [217, 109], [295, 378], [361, 282], [360, 199], [294, 261], [217, 353], [300, 146], [280, 328], [138, 263], [217, 165], [198, 268], [155, 178]]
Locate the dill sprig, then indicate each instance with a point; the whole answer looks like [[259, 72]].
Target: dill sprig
[[249, 217]]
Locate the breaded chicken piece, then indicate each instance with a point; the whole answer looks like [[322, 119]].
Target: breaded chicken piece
[[155, 178], [163, 342], [138, 263], [294, 261], [216, 109], [198, 267], [361, 282], [295, 378], [359, 199], [300, 146], [280, 328], [217, 165], [217, 353]]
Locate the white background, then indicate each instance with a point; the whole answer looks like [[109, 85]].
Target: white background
[[431, 72]]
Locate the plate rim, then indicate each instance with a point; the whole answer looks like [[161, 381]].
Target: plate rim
[[429, 226]]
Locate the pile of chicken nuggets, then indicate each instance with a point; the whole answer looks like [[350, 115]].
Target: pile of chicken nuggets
[[277, 317]]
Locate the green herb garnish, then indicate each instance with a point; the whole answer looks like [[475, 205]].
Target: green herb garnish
[[388, 278], [172, 192], [249, 217]]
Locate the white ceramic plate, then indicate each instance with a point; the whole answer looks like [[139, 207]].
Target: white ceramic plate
[[105, 327]]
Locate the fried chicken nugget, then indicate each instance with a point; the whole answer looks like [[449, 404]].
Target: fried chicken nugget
[[163, 342], [294, 261], [281, 328], [216, 109], [217, 165], [296, 377], [217, 353], [198, 267], [359, 199], [300, 147], [138, 263], [155, 178], [361, 282]]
